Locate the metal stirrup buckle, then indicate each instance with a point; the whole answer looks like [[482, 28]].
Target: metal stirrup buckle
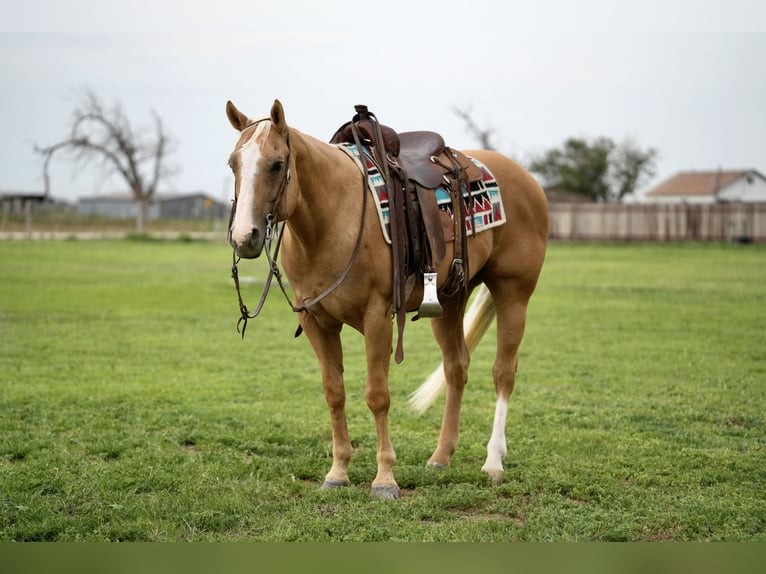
[[458, 270], [430, 306]]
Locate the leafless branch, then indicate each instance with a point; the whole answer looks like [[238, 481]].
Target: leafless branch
[[484, 136], [104, 135]]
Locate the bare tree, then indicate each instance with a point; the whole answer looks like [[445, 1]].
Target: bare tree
[[484, 136], [104, 136]]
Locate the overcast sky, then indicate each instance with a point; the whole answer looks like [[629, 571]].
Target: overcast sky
[[685, 77]]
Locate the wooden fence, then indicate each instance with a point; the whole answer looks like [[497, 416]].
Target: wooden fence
[[744, 222]]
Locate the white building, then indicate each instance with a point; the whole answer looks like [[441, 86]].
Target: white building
[[706, 187]]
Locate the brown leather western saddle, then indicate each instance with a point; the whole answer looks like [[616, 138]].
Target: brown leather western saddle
[[413, 164]]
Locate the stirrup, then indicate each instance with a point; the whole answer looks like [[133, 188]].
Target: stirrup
[[430, 306]]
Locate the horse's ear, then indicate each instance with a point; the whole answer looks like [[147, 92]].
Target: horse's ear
[[278, 116], [237, 119]]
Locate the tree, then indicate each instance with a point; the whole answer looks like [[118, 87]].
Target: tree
[[104, 135], [484, 135], [599, 169]]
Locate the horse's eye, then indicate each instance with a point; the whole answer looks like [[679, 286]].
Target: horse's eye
[[276, 167]]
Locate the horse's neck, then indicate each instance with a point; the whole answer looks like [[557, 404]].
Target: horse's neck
[[324, 175], [316, 161]]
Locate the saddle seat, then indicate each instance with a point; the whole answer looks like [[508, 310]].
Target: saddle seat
[[416, 152], [427, 160]]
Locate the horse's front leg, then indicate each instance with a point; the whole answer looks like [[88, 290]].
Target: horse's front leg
[[326, 341], [378, 337]]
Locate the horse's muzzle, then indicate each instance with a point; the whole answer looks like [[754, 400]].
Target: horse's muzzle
[[250, 246]]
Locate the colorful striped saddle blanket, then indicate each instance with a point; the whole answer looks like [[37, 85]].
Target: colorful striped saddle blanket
[[487, 203]]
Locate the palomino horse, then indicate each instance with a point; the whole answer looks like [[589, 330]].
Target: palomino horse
[[283, 175]]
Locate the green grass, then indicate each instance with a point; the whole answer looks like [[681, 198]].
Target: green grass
[[131, 410]]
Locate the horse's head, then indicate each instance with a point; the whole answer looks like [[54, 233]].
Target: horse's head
[[260, 162]]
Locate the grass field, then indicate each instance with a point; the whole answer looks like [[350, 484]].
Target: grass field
[[131, 410]]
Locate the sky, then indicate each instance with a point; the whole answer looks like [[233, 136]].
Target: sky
[[681, 76]]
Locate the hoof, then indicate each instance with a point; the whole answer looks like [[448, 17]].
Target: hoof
[[385, 492], [332, 484], [495, 476], [436, 465]]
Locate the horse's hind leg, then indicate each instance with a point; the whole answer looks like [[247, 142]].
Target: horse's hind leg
[[326, 342], [511, 307], [448, 331]]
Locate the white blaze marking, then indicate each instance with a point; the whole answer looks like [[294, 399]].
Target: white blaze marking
[[496, 447], [249, 154]]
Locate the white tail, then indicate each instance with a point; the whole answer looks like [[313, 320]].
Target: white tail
[[475, 323]]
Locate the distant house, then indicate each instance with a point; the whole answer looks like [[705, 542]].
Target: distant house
[[15, 205], [557, 194], [191, 206], [18, 202], [114, 206], [195, 205], [706, 187]]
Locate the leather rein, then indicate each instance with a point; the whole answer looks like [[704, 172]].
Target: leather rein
[[274, 233]]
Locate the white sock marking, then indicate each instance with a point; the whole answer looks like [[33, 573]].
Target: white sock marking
[[496, 447]]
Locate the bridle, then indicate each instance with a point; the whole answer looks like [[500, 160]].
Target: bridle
[[271, 230], [273, 238]]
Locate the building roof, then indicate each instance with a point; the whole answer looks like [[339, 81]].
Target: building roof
[[33, 195], [698, 183], [116, 196]]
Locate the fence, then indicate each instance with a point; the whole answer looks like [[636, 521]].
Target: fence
[[745, 222]]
